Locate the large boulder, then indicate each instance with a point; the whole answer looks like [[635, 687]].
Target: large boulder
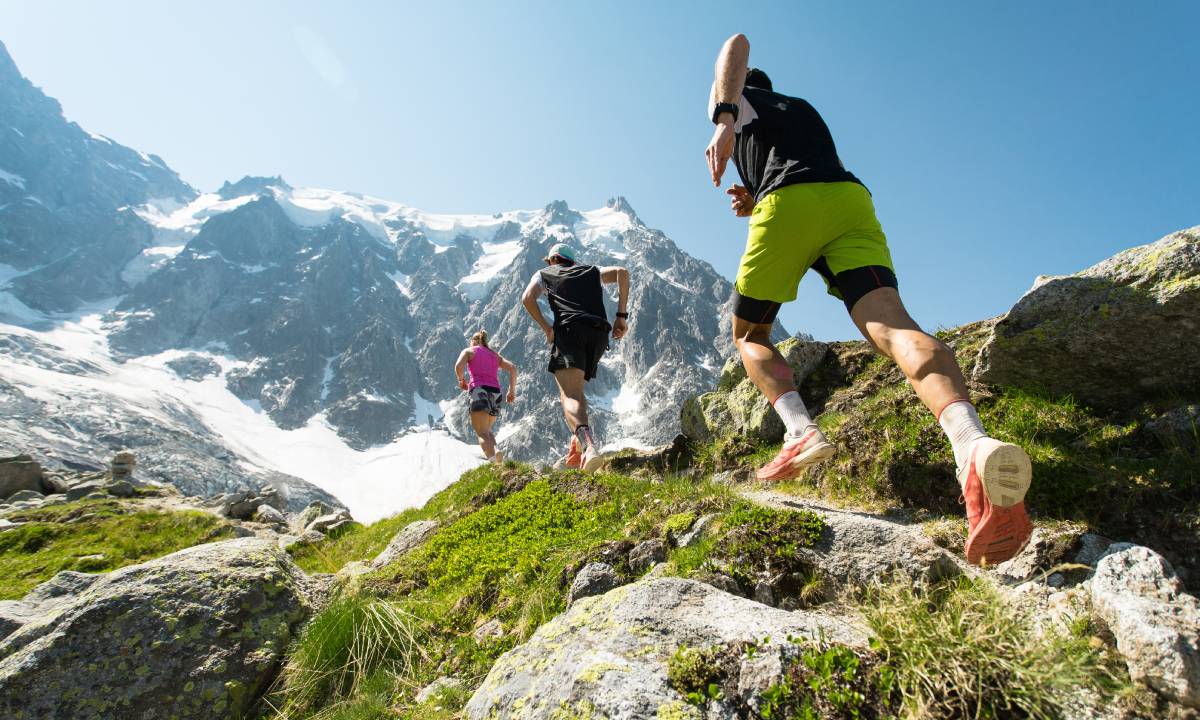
[[196, 634], [737, 406], [607, 656], [1113, 335], [19, 473], [1156, 624]]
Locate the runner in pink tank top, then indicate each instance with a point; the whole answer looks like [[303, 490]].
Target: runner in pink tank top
[[484, 393]]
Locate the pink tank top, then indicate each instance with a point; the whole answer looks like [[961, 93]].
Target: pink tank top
[[483, 366]]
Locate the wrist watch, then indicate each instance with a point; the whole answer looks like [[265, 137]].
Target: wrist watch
[[624, 316], [724, 108]]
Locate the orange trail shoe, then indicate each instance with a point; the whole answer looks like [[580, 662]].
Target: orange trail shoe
[[797, 454], [997, 476], [574, 458]]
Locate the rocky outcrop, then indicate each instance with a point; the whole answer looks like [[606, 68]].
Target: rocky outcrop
[[1155, 623], [196, 634], [1109, 335], [607, 656], [409, 537], [19, 473], [857, 549], [737, 407]]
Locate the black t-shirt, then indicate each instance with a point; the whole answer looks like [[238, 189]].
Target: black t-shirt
[[575, 294], [781, 141]]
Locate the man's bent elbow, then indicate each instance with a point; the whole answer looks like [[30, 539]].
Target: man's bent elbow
[[739, 41]]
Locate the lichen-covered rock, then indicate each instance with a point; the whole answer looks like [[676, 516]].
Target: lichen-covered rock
[[20, 472], [858, 550], [609, 654], [737, 406], [1114, 335], [409, 537], [195, 634], [1156, 624]]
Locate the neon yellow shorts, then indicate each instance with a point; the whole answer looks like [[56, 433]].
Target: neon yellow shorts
[[800, 225]]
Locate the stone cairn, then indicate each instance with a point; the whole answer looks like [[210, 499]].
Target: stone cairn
[[122, 465]]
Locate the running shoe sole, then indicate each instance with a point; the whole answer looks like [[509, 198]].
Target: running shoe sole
[[1005, 474], [812, 456], [592, 462]]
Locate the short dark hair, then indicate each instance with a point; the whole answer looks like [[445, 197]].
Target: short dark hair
[[757, 78]]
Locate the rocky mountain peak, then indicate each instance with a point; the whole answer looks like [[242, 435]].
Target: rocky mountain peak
[[621, 205], [559, 213], [250, 185]]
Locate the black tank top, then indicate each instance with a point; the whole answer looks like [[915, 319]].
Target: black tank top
[[575, 295]]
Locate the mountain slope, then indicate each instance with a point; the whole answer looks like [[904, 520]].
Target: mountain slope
[[270, 318]]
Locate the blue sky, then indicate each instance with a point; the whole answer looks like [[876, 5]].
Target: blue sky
[[1000, 140]]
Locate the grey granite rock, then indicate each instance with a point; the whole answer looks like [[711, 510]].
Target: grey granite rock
[[1156, 624], [858, 549], [435, 689], [25, 495], [646, 554], [408, 538], [593, 579], [607, 655], [1071, 335], [19, 473], [200, 633]]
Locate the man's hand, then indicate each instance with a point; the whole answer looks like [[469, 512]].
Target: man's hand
[[620, 327], [741, 200], [720, 149], [512, 395], [462, 383], [549, 330]]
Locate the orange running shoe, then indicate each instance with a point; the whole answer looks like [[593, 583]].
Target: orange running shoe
[[574, 458], [797, 454], [998, 475]]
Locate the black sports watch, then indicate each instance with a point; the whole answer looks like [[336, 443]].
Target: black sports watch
[[623, 316], [724, 108]]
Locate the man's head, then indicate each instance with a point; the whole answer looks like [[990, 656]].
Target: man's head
[[757, 78], [560, 254]]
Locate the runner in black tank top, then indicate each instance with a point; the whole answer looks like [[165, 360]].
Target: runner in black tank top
[[578, 336]]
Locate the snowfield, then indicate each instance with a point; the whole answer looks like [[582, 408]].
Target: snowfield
[[374, 483]]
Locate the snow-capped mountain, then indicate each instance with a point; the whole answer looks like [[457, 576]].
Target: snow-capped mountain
[[265, 332]]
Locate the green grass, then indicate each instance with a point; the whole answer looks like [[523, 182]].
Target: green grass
[[365, 542], [502, 555], [61, 537], [961, 650]]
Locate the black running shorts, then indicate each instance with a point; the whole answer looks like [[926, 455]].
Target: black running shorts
[[486, 398], [852, 285], [578, 345]]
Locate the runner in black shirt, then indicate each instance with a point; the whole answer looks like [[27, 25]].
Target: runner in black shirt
[[807, 211], [578, 337]]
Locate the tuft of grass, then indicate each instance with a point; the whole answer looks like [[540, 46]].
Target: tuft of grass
[[696, 673], [349, 650], [960, 650], [95, 536]]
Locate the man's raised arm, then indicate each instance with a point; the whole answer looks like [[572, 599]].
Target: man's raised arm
[[730, 77], [620, 276]]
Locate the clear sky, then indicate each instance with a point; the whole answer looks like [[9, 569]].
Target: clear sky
[[1000, 140]]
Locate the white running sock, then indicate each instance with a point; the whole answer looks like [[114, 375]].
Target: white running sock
[[961, 423], [794, 414]]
